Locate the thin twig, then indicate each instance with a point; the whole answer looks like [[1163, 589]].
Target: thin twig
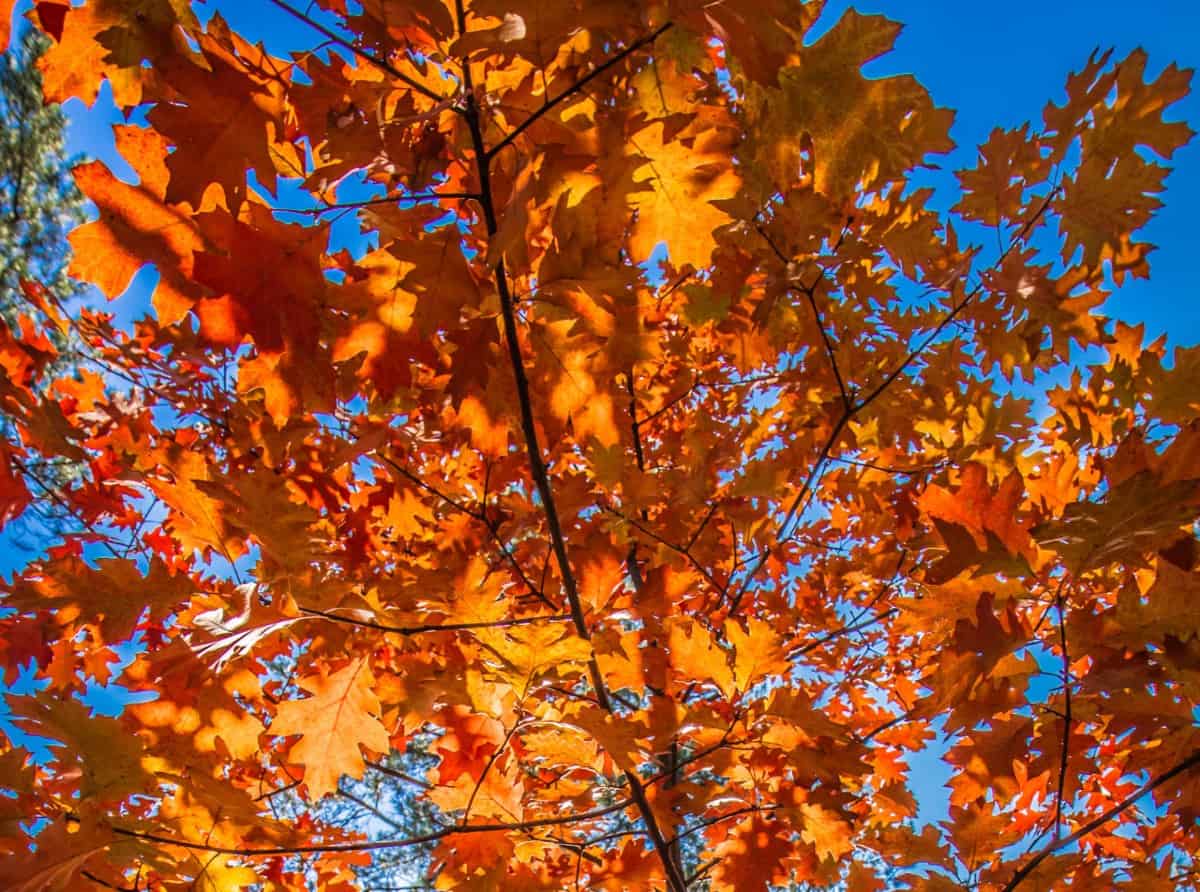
[[493, 530], [673, 546], [370, 59], [399, 775], [362, 803], [1091, 826], [851, 409], [370, 202], [433, 627], [954, 312], [374, 845], [575, 88], [1060, 602], [810, 293]]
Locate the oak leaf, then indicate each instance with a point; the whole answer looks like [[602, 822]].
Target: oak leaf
[[340, 717]]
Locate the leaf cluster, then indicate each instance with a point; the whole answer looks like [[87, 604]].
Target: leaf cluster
[[586, 403]]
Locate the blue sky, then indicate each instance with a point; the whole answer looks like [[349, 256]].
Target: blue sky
[[998, 64]]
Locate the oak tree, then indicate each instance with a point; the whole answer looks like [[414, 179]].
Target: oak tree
[[653, 470]]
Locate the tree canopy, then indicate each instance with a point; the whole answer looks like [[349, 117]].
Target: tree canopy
[[584, 420]]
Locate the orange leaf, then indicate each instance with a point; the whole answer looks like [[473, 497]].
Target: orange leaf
[[335, 722]]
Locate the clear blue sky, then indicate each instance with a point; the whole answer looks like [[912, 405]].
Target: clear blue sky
[[997, 63]]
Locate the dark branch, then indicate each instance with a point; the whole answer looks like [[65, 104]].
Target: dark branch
[[673, 546], [575, 88], [1091, 826], [399, 775], [1060, 603], [370, 59], [480, 516], [369, 202], [848, 629], [954, 313], [798, 506], [433, 627], [810, 293], [537, 466], [852, 409], [374, 845]]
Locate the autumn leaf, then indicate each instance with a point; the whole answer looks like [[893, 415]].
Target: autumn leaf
[[339, 717], [854, 122], [758, 652], [135, 227], [826, 831], [65, 849], [680, 184], [752, 854]]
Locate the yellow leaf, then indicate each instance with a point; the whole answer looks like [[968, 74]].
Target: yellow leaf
[[758, 651], [863, 130], [681, 181]]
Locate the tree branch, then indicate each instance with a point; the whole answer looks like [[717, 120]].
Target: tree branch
[[812, 302], [370, 59], [480, 516], [852, 409], [400, 775], [434, 627], [374, 845], [1091, 826], [537, 466], [799, 504], [372, 809], [673, 546], [575, 88], [369, 202], [1060, 603], [954, 312]]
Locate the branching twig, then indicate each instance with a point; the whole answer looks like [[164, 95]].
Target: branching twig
[[480, 516], [1186, 765], [370, 59], [853, 408], [574, 88]]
